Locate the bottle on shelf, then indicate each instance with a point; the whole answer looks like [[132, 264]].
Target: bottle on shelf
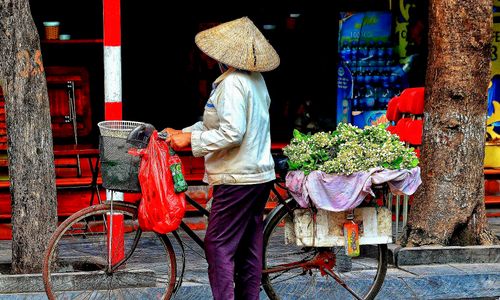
[[389, 53], [393, 77], [376, 77], [360, 78], [345, 52], [368, 76], [397, 89], [363, 51], [356, 98], [372, 51], [380, 50], [354, 51], [385, 96], [355, 103], [362, 62], [385, 75], [369, 101]]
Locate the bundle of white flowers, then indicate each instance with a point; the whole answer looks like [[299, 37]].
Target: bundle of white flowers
[[349, 149]]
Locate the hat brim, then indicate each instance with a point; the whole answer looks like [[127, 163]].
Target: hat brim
[[239, 44]]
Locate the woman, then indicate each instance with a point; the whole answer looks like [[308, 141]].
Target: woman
[[235, 140]]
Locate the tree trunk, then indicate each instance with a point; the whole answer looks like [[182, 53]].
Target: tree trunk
[[449, 207], [30, 151]]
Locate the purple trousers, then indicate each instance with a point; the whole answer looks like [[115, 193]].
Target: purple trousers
[[233, 241]]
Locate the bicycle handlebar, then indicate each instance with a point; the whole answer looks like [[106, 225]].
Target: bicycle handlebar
[[280, 166]]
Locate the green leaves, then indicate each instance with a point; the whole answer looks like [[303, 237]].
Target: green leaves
[[396, 164], [348, 149], [414, 162], [297, 135], [293, 165]]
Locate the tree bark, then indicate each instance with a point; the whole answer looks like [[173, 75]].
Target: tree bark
[[449, 207], [30, 151]]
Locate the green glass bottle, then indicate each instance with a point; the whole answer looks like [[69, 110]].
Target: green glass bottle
[[180, 184]]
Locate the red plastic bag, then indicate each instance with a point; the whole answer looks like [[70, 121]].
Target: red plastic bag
[[161, 209]]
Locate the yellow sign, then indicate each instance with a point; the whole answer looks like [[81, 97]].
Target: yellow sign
[[494, 118], [495, 50]]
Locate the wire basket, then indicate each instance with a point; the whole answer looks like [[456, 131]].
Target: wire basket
[[119, 169]]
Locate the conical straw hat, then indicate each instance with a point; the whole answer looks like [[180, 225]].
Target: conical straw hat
[[238, 44]]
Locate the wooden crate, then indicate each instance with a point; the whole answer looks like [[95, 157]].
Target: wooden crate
[[325, 229]]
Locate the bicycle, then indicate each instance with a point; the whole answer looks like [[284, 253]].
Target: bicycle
[[86, 260]]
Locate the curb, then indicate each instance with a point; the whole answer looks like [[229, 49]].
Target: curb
[[429, 255]]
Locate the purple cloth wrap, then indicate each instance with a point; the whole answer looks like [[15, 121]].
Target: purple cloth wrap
[[335, 192]]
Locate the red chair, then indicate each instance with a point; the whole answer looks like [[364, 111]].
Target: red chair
[[393, 113], [402, 129], [409, 131], [415, 128], [411, 101]]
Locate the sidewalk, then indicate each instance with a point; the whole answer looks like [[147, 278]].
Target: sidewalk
[[454, 281], [447, 280]]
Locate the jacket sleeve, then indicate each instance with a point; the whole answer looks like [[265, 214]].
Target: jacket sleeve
[[231, 110], [195, 127]]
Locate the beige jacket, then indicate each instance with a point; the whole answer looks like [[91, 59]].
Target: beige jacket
[[234, 135]]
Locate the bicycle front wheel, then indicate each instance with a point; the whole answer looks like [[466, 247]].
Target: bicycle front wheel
[[295, 272], [80, 265]]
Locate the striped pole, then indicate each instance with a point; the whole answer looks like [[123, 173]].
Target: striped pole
[[112, 61], [113, 111]]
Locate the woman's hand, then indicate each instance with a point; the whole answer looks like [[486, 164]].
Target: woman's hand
[[179, 140], [171, 131]]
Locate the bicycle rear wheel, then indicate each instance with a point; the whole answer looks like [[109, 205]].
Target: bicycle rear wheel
[[77, 262], [293, 272]]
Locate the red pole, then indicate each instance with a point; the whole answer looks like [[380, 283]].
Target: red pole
[[113, 111], [112, 60]]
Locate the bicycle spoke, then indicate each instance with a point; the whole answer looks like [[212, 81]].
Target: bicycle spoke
[[98, 283], [89, 296], [342, 283], [288, 264], [278, 281], [311, 286], [77, 296], [80, 269], [160, 279]]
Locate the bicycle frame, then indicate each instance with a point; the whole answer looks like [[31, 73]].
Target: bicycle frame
[[199, 241], [205, 212], [188, 230]]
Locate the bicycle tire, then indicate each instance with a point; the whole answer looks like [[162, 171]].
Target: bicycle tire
[[78, 269], [271, 282]]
